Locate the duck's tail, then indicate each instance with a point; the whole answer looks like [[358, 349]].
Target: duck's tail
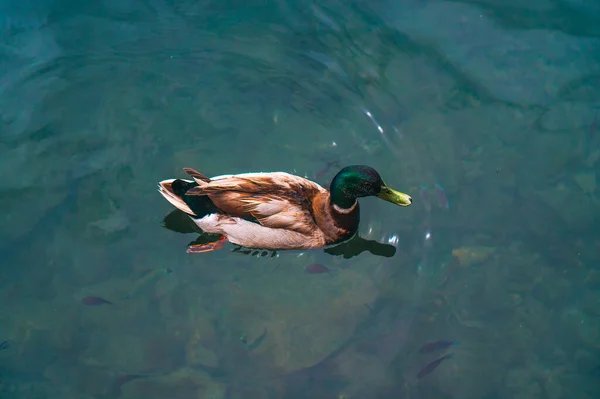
[[171, 190], [174, 191]]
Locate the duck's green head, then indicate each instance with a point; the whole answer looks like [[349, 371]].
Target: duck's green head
[[357, 181]]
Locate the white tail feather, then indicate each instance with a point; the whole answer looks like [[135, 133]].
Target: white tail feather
[[164, 187]]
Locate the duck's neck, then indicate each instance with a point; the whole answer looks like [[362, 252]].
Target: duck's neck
[[341, 195], [345, 216], [342, 202]]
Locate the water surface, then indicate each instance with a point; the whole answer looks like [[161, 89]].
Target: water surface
[[484, 111]]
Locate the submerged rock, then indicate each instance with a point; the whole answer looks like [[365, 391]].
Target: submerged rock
[[472, 255]]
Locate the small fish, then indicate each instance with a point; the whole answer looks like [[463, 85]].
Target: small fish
[[428, 369], [442, 199], [95, 301], [437, 345], [121, 380], [317, 269], [3, 345], [147, 280], [257, 341]]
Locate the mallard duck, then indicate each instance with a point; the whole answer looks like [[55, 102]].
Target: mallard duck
[[277, 211]]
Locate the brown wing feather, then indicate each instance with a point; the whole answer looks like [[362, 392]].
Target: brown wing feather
[[276, 200], [196, 175]]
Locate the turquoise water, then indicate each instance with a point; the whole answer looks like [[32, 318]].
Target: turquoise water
[[484, 111]]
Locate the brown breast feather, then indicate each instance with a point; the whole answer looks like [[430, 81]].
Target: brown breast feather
[[335, 226]]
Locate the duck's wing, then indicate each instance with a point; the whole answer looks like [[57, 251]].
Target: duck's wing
[[276, 200]]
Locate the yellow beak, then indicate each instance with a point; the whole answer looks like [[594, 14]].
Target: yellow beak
[[393, 196]]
